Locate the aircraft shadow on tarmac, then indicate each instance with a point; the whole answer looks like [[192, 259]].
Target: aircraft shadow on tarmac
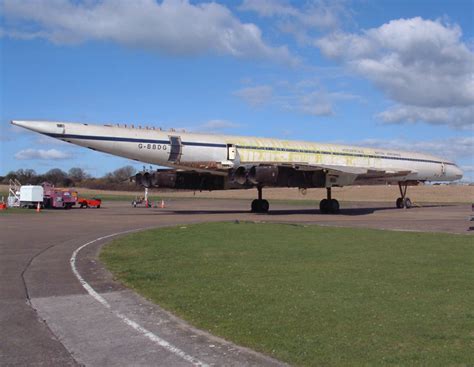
[[301, 211], [279, 212], [282, 212], [355, 211]]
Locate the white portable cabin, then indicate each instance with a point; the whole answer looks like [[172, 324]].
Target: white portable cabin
[[30, 194]]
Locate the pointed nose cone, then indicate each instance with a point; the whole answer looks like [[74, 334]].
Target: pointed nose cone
[[42, 127], [26, 124]]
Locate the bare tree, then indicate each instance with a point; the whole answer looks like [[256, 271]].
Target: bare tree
[[77, 174], [121, 174], [25, 176], [57, 177]]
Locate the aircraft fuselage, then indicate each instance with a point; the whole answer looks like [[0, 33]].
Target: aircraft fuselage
[[218, 154]]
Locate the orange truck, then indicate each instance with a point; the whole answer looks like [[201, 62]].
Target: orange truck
[[89, 203]]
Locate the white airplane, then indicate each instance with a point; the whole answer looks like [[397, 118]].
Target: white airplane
[[220, 162]]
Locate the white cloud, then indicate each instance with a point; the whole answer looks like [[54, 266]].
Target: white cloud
[[269, 8], [420, 64], [458, 117], [300, 22], [316, 103], [305, 96], [173, 27], [50, 154], [255, 96], [317, 14]]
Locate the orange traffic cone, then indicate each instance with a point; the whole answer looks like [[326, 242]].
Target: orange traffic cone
[[162, 206], [38, 208]]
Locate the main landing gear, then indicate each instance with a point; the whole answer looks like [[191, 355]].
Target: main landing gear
[[260, 205], [329, 205], [403, 201]]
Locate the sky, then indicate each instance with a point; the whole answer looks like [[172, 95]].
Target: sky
[[391, 74]]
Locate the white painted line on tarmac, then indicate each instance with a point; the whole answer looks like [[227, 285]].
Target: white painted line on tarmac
[[153, 337]]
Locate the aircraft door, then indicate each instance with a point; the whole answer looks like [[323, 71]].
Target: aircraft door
[[61, 129], [175, 149], [443, 169], [231, 152]]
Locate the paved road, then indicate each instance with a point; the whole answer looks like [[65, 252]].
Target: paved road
[[48, 318]]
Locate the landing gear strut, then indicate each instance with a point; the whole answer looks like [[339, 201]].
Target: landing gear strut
[[329, 205], [403, 201], [260, 205]]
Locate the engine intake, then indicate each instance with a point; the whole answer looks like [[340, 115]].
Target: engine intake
[[143, 179], [264, 175], [240, 175]]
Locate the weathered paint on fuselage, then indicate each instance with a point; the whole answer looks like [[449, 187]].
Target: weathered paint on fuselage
[[209, 152]]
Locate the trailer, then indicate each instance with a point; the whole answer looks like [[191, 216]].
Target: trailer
[[31, 195], [89, 203]]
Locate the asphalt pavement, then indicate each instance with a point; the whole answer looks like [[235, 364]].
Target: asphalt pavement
[[49, 318]]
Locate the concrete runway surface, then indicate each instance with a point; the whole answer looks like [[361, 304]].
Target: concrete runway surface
[[49, 318]]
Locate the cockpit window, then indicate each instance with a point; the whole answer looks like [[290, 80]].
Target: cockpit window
[[60, 125]]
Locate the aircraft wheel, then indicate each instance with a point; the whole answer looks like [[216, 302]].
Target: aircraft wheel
[[400, 204], [333, 206], [255, 206], [260, 206], [329, 206], [324, 206], [408, 203], [264, 206]]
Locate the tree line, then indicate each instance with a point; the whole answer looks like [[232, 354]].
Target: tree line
[[118, 179]]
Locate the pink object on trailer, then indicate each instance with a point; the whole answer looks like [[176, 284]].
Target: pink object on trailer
[[58, 198]]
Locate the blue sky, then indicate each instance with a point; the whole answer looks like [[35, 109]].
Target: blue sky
[[395, 74]]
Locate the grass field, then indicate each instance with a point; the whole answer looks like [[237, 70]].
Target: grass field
[[312, 295]]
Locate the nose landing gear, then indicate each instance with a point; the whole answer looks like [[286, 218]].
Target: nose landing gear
[[260, 205], [329, 205], [403, 201]]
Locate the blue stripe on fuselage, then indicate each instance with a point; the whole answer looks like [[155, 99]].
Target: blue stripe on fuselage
[[133, 140]]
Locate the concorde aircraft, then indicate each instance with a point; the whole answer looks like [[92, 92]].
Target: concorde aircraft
[[221, 162]]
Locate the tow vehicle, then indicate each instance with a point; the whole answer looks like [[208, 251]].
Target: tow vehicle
[[89, 203]]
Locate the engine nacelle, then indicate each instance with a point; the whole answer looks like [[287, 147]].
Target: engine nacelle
[[318, 179], [138, 179], [263, 175], [164, 179], [240, 175], [180, 180], [279, 176], [143, 179]]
